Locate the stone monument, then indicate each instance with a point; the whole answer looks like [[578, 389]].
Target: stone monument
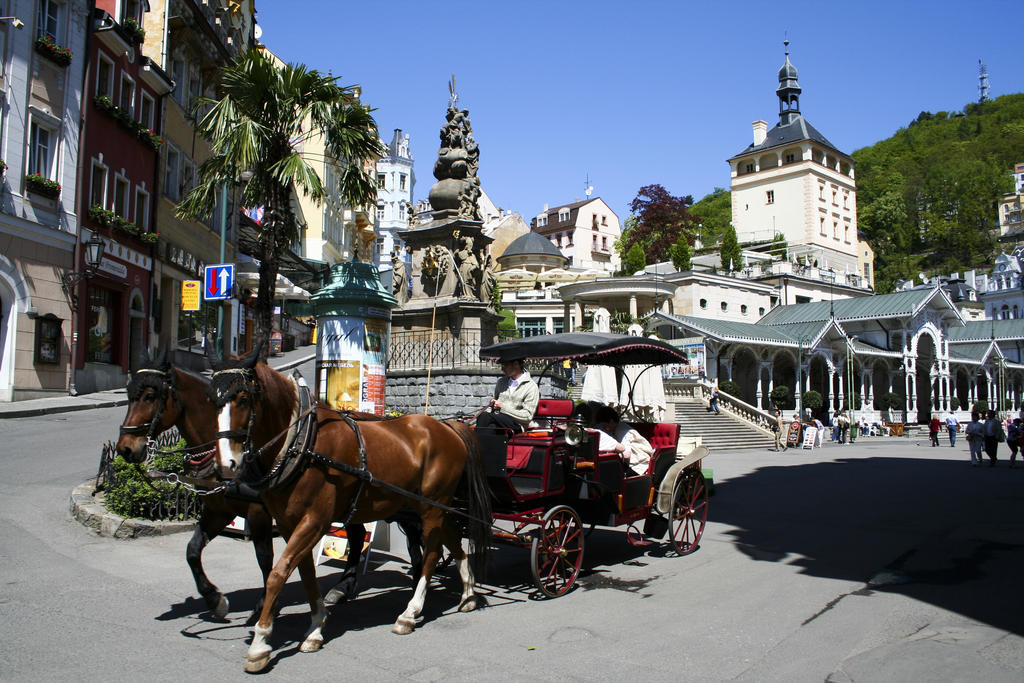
[[438, 331]]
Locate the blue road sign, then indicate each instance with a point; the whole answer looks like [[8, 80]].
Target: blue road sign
[[218, 282]]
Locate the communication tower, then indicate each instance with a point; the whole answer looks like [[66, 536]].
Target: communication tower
[[982, 82]]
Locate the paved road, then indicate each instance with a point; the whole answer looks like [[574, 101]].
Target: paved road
[[884, 560]]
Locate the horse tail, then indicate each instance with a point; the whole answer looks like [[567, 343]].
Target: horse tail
[[477, 496]]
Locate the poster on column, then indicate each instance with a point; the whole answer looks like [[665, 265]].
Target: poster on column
[[696, 360], [350, 363]]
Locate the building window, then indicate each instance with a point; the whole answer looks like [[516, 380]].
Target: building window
[[105, 77], [604, 220], [834, 202], [42, 140], [121, 196], [749, 168], [188, 175], [604, 243], [846, 233], [178, 76], [130, 10], [725, 306], [542, 220], [594, 246], [142, 208], [380, 213], [790, 158], [101, 326], [147, 110], [401, 210], [172, 171], [867, 271], [98, 185], [703, 303], [770, 196], [846, 200], [48, 19], [401, 182], [593, 221], [531, 327], [381, 181], [821, 226], [127, 101], [835, 230], [563, 215], [743, 309], [195, 88], [760, 311], [821, 192]]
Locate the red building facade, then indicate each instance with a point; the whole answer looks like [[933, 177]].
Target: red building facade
[[118, 189]]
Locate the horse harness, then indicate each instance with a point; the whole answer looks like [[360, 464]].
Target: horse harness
[[297, 453]]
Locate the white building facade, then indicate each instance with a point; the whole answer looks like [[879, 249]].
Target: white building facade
[[395, 181], [585, 233], [792, 181]]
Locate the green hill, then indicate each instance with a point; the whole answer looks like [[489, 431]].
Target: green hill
[[926, 197]]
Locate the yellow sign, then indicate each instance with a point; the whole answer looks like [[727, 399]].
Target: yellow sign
[[190, 295]]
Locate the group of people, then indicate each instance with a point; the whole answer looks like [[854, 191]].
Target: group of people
[[985, 435], [936, 425], [516, 396]]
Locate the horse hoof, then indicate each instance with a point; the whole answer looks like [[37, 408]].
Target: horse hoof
[[254, 665], [403, 627], [222, 608], [311, 645], [469, 605]]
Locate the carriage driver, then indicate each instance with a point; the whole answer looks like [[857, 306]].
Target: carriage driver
[[515, 399]]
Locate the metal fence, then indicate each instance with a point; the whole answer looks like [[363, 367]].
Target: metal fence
[[170, 503], [440, 350]]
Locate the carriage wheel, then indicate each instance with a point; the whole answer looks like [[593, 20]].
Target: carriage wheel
[[689, 512], [557, 551]]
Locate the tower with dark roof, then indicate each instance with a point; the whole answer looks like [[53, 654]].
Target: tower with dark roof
[[792, 181]]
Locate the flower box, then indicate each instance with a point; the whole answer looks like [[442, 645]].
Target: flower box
[[150, 138], [41, 186], [110, 219], [47, 47], [135, 32]]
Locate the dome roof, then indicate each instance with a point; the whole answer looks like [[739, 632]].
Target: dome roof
[[788, 71], [531, 244]]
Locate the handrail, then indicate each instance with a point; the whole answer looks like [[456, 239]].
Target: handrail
[[701, 390]]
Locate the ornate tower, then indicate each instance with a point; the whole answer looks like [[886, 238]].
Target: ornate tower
[[788, 92]]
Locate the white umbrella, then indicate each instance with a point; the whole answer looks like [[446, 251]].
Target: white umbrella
[[599, 384], [516, 276], [557, 275], [648, 390]]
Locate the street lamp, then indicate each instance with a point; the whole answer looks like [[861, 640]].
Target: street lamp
[[70, 280]]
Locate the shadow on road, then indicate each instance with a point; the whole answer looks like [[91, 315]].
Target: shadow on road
[[939, 531]]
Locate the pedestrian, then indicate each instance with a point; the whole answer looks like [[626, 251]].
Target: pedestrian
[[820, 436], [952, 426], [779, 427], [844, 426], [933, 430], [1013, 437], [975, 433], [713, 403], [835, 427], [994, 434]]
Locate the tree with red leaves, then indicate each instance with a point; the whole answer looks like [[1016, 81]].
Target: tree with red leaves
[[661, 220]]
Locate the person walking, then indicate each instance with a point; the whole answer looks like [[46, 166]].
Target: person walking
[[1013, 434], [780, 431], [975, 433], [713, 403], [952, 426], [933, 430], [994, 434], [835, 427]]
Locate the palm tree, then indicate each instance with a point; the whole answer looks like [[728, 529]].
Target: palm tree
[[256, 130]]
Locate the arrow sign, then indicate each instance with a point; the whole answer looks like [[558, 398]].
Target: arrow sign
[[218, 282]]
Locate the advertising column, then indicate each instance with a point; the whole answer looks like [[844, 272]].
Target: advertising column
[[353, 319]]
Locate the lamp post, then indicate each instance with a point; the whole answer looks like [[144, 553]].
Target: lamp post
[[850, 391], [69, 282], [223, 232]]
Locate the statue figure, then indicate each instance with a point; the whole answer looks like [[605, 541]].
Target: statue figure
[[437, 275], [399, 279], [458, 159], [488, 281], [469, 269]]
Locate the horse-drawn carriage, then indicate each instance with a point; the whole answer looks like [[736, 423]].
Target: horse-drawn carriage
[[256, 433], [551, 480]]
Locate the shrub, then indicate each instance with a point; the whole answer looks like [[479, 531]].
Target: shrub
[[954, 403], [813, 400], [981, 406], [780, 396], [131, 493], [731, 388], [856, 402]]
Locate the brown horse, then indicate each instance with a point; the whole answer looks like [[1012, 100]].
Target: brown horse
[[161, 396], [350, 473]]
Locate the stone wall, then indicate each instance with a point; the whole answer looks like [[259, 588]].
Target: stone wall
[[452, 392]]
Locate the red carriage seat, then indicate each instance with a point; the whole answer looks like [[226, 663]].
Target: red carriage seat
[[551, 409], [663, 437]]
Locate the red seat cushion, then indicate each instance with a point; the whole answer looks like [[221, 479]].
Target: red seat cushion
[[518, 456], [551, 407]]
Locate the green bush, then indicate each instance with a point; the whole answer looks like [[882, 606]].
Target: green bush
[[813, 400], [780, 397], [856, 402], [731, 388], [954, 403], [892, 400], [981, 406], [133, 494]]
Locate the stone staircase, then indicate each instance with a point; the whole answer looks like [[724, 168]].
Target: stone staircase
[[721, 431]]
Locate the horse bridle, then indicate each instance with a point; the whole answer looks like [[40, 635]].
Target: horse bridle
[[250, 385], [147, 428]]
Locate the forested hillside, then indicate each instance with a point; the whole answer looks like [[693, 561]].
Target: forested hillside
[[926, 197]]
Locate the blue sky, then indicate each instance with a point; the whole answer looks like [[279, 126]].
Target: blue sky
[[642, 92]]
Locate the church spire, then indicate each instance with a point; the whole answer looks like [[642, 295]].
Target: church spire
[[788, 92]]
